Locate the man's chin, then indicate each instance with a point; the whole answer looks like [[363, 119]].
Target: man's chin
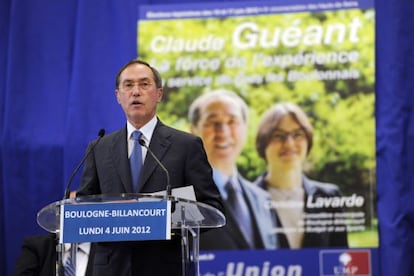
[[224, 158]]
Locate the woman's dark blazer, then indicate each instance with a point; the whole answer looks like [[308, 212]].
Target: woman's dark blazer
[[315, 189]]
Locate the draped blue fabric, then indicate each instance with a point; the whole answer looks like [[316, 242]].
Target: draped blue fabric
[[58, 60], [395, 135]]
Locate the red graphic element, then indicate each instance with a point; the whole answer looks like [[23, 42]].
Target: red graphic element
[[356, 262]]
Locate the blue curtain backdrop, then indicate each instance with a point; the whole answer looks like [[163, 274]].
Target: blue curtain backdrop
[[58, 60]]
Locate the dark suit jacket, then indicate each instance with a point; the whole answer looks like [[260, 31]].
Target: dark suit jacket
[[38, 257], [313, 239], [107, 171], [230, 237]]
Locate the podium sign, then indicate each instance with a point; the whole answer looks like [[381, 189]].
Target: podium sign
[[131, 217], [115, 221]]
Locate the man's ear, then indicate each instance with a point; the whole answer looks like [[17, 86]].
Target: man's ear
[[116, 95], [160, 94]]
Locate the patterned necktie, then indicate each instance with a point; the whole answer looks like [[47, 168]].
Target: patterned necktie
[[240, 211], [69, 267], [136, 160]]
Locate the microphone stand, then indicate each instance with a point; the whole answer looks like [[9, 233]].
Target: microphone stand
[[168, 192], [59, 255], [60, 246], [67, 190]]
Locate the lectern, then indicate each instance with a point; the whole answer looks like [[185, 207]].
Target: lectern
[[129, 217]]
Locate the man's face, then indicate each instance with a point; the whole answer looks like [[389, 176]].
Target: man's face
[[223, 131], [138, 94]]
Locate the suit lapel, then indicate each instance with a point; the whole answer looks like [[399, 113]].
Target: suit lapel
[[232, 228], [159, 145], [257, 201], [252, 202], [119, 154]]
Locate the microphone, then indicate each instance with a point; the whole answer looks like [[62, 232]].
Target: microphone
[[67, 191], [168, 188]]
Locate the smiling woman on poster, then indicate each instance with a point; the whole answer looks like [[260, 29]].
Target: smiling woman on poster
[[284, 140]]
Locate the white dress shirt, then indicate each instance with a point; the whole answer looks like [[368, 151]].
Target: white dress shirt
[[82, 257]]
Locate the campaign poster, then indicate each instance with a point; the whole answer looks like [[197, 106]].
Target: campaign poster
[[318, 56]]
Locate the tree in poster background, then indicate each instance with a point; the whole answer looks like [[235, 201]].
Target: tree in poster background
[[322, 61]]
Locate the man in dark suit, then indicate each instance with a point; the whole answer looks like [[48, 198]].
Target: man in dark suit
[[38, 257], [107, 171], [220, 118]]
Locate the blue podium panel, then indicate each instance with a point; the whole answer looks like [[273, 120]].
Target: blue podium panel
[[115, 221], [297, 262]]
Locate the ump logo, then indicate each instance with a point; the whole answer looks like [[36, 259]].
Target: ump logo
[[345, 263]]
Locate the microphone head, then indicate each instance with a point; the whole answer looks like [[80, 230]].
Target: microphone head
[[142, 142], [101, 132]]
